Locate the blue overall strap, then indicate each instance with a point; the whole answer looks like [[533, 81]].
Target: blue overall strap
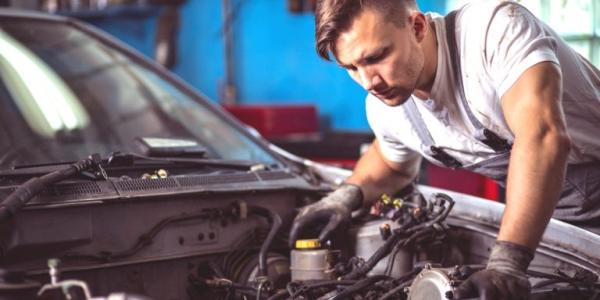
[[482, 134], [417, 121]]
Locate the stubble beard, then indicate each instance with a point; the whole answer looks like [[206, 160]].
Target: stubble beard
[[414, 71]]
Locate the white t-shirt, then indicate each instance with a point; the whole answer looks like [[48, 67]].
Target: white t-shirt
[[493, 54]]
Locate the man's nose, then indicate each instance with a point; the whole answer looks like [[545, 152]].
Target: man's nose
[[369, 80]]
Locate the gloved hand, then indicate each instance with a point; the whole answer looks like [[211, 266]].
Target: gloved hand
[[334, 210], [504, 277]]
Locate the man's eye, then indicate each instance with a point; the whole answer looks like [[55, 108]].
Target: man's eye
[[373, 59], [377, 57]]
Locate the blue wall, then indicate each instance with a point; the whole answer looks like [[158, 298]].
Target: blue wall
[[137, 29], [274, 57]]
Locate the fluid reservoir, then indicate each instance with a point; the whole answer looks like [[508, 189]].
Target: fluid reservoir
[[309, 261]]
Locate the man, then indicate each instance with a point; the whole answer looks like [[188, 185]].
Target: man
[[490, 89]]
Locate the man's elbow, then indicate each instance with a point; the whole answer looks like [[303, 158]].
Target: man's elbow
[[558, 141]]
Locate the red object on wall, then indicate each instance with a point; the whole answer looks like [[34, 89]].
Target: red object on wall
[[463, 182], [277, 120]]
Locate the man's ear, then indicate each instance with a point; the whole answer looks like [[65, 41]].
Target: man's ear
[[419, 25]]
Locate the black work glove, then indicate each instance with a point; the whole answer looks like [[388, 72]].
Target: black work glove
[[334, 210], [504, 277]]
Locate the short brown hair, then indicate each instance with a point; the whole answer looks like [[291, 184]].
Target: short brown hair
[[332, 17]]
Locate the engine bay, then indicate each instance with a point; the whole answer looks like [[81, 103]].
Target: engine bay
[[232, 244]]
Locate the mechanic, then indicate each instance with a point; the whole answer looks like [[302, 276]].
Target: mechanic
[[488, 88]]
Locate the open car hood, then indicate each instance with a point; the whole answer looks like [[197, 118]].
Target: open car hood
[[561, 240]]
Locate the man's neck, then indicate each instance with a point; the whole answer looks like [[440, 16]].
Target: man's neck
[[430, 51]]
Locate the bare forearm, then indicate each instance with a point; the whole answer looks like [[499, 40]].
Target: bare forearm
[[536, 172], [535, 179], [376, 176]]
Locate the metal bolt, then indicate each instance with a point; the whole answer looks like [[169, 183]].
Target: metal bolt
[[465, 272], [455, 272], [53, 264], [162, 173], [385, 230]]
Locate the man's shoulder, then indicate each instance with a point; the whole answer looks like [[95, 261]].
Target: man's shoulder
[[485, 5], [483, 11], [488, 24], [473, 18]]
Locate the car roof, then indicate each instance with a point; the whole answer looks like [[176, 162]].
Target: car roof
[[29, 14]]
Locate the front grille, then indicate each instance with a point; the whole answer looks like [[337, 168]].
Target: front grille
[[216, 179], [274, 175], [87, 188], [146, 184]]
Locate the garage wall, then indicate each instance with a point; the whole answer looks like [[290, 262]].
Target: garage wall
[[274, 57], [135, 29]]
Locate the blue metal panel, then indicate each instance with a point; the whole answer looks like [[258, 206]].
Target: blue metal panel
[[200, 46], [134, 26], [438, 6], [277, 63]]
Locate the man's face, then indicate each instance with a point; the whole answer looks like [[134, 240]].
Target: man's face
[[386, 60]]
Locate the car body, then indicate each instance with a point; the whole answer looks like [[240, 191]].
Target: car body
[[161, 226]]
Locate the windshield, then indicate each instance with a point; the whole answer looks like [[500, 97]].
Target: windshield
[[65, 94]]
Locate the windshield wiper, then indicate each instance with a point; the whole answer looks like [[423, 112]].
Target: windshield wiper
[[125, 160], [118, 159]]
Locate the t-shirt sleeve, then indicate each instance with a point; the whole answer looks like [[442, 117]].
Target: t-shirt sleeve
[[515, 41], [379, 120]]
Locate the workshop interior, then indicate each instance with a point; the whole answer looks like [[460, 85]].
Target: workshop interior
[[161, 149]]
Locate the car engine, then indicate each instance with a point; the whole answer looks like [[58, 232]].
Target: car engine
[[230, 243]]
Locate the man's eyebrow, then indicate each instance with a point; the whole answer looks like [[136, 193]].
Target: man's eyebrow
[[360, 60], [374, 53]]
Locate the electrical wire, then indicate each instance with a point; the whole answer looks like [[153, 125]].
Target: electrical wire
[[391, 260], [392, 293], [358, 286], [412, 229], [145, 240], [305, 288], [562, 278], [16, 200]]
